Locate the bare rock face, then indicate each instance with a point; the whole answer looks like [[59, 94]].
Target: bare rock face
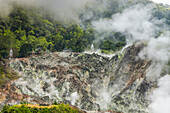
[[89, 81]]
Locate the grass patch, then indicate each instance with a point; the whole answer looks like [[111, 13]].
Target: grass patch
[[62, 108], [107, 51]]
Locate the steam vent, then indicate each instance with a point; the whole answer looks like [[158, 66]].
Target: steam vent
[[84, 56], [89, 81]]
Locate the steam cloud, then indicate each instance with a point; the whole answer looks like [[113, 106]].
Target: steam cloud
[[158, 50], [63, 9], [134, 22], [74, 98], [161, 96], [138, 24]]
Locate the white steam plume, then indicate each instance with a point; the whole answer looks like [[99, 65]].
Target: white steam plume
[[161, 96], [135, 22], [138, 24], [74, 97], [63, 9], [158, 50]]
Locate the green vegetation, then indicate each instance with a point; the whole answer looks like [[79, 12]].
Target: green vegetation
[[5, 74], [108, 45], [107, 51], [28, 29], [62, 108]]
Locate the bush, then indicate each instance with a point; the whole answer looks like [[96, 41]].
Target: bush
[[1, 58], [62, 108], [107, 51]]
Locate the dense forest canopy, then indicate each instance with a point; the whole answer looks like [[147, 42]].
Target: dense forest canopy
[[28, 29], [25, 30]]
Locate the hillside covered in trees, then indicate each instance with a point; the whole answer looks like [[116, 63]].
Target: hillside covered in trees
[[90, 81], [28, 29]]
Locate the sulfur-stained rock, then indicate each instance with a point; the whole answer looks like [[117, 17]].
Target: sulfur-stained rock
[[89, 81]]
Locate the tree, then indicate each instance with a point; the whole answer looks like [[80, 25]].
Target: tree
[[25, 50], [18, 18], [59, 42], [108, 45]]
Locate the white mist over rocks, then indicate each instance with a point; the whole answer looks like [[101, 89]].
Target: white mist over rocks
[[104, 99], [162, 1], [158, 50], [138, 24], [36, 85], [74, 97], [161, 96]]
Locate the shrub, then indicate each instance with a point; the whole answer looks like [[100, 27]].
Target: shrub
[[62, 108]]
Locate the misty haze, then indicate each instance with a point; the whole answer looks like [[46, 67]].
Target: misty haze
[[84, 56]]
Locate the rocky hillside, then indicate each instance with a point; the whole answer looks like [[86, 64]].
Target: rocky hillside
[[89, 81]]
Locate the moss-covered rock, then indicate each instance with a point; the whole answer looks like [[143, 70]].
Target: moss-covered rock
[[6, 74]]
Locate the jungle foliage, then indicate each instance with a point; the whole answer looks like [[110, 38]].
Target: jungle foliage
[[62, 108], [35, 29], [26, 30]]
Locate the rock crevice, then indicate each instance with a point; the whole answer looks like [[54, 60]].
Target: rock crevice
[[89, 81]]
